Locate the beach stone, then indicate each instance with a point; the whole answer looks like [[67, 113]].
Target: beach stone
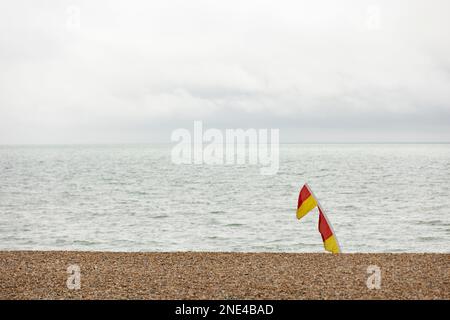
[[206, 275]]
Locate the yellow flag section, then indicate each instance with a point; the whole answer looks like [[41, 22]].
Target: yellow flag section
[[306, 202]]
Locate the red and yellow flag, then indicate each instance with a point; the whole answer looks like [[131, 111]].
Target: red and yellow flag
[[306, 203], [328, 238]]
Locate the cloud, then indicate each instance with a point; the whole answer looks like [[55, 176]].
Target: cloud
[[110, 71]]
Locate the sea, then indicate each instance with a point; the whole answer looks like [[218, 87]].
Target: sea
[[133, 198]]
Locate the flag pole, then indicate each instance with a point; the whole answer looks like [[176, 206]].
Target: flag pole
[[325, 216]]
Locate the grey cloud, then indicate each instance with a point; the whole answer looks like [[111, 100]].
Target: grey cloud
[[135, 71]]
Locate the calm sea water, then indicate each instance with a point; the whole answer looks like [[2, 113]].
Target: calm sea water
[[379, 198]]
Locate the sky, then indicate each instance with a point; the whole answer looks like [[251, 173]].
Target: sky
[[133, 71]]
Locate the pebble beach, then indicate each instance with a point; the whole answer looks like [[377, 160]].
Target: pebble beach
[[207, 275]]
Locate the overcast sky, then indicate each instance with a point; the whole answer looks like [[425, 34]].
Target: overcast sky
[[133, 71]]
